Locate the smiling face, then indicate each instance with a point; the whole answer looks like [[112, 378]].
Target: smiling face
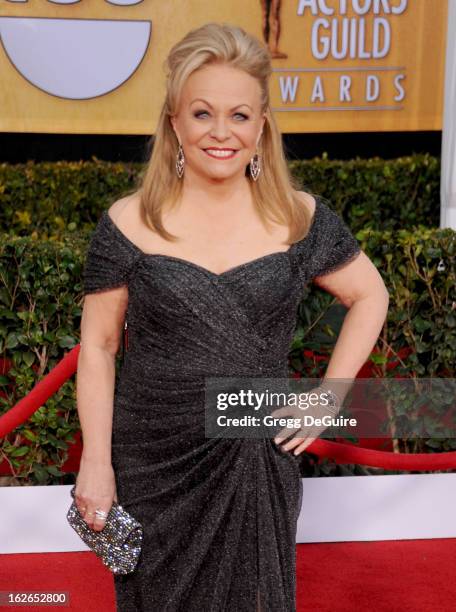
[[219, 122]]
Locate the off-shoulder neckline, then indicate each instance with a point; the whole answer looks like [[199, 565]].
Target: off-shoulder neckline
[[238, 268]]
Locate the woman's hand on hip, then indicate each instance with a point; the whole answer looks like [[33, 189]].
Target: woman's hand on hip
[[298, 438]]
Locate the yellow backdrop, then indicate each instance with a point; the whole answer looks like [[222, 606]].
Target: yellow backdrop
[[96, 66]]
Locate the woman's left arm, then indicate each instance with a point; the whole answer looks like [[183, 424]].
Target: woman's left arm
[[359, 286]]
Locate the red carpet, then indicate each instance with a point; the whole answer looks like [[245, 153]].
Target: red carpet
[[403, 575], [390, 576]]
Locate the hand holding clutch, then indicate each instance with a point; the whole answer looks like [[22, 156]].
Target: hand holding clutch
[[118, 544]]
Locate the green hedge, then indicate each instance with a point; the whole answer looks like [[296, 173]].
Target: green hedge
[[49, 198], [41, 303], [400, 193]]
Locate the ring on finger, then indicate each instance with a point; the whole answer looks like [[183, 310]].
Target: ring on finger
[[101, 514]]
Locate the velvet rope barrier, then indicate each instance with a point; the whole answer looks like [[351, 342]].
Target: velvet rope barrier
[[347, 453], [40, 393], [340, 452]]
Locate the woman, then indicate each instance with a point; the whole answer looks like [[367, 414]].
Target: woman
[[211, 255]]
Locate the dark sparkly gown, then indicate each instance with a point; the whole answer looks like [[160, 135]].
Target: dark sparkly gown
[[219, 514]]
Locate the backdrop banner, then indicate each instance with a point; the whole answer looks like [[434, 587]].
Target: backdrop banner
[[339, 65]]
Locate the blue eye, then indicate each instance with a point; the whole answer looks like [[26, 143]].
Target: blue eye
[[199, 113]]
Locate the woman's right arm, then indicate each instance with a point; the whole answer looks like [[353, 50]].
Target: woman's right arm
[[101, 332]]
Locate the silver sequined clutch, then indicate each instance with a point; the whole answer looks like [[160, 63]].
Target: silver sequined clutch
[[118, 544]]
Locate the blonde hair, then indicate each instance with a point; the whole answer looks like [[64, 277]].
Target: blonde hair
[[274, 193]]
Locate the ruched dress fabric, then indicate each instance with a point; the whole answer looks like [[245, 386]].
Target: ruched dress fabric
[[219, 515]]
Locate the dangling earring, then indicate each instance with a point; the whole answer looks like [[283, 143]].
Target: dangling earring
[[255, 166], [180, 161]]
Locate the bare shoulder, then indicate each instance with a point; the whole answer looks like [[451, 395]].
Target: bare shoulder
[[308, 200], [125, 211]]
